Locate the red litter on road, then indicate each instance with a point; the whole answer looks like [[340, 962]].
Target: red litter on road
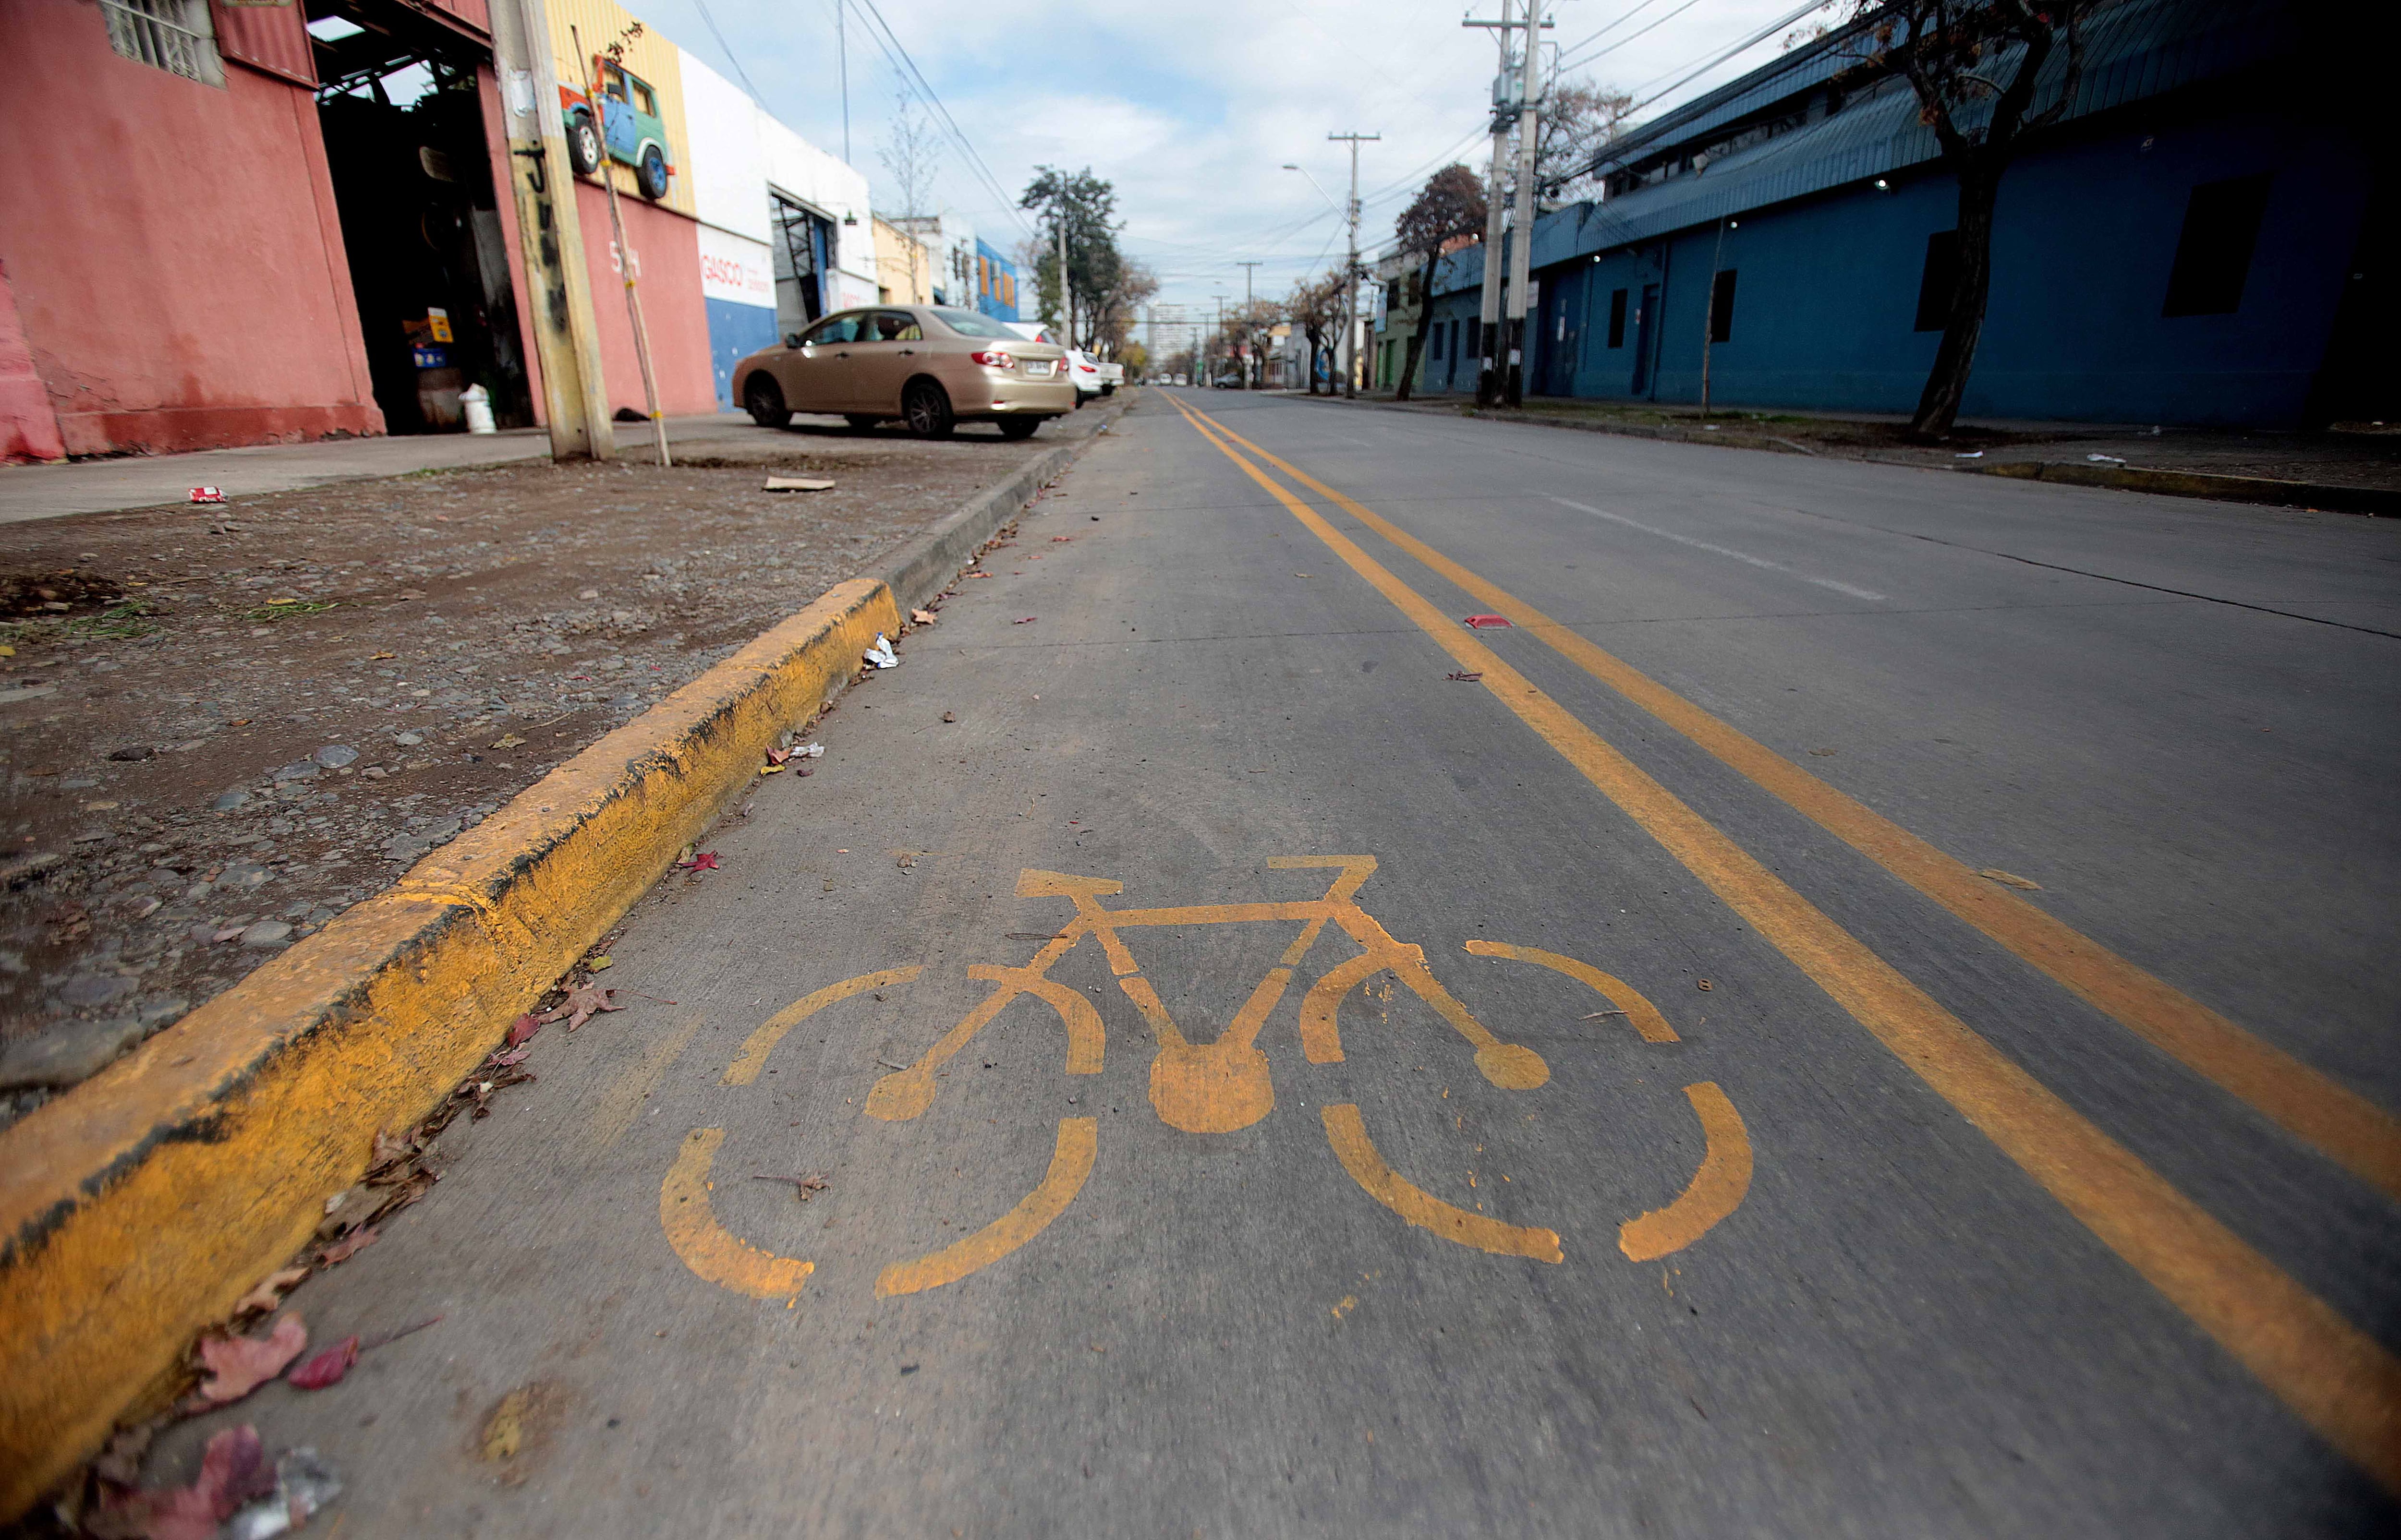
[[207, 495], [1489, 622]]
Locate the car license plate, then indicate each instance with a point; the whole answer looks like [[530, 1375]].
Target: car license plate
[[1038, 366]]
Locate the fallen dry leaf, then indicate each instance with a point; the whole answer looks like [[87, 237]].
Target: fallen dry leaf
[[1464, 676], [950, 716], [523, 1028], [2010, 879], [515, 1055], [922, 617], [273, 1288], [507, 741], [1704, 983], [327, 1367], [580, 1005], [237, 1366], [120, 1463], [233, 1469], [1027, 621], [599, 962], [349, 1245], [702, 861]]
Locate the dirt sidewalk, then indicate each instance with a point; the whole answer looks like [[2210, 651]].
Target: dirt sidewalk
[[223, 724]]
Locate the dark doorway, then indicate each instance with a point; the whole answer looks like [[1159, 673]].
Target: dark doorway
[[803, 255], [1563, 336], [401, 113], [1646, 323]]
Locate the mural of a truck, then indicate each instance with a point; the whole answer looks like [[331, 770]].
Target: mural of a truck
[[629, 131]]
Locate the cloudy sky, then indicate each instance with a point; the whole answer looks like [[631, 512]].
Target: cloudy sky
[[1191, 107]]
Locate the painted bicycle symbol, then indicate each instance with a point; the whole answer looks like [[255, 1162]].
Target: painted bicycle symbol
[[1216, 1087]]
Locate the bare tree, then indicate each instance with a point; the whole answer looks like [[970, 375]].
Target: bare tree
[[912, 152], [1974, 65], [1315, 305], [1450, 208], [1577, 118]]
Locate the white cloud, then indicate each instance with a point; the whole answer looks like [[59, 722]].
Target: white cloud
[[1190, 107]]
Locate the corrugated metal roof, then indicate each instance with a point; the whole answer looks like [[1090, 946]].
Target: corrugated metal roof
[[2133, 50]]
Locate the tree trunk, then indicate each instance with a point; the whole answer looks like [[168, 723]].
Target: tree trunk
[[1946, 383], [1425, 323]]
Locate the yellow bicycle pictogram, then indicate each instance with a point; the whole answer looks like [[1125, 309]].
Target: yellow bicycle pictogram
[[1215, 1088]]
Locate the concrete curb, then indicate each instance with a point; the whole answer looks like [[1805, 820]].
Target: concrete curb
[[141, 1205], [2372, 500]]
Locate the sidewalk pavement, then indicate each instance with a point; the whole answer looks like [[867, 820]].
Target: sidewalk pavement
[[2360, 455], [147, 481]]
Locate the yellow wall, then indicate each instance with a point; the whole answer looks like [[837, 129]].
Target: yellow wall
[[903, 268], [653, 56]]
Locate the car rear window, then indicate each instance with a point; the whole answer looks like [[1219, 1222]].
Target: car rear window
[[967, 323]]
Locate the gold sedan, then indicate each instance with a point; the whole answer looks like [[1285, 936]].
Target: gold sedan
[[930, 365]]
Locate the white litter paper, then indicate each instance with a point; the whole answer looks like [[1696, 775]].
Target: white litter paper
[[881, 654]]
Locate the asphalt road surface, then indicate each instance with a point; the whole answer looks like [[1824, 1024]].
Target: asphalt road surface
[[1866, 1010]]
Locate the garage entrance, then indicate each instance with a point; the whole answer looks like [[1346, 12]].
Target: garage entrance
[[402, 112]]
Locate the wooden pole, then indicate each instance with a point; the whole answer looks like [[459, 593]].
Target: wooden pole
[[624, 255]]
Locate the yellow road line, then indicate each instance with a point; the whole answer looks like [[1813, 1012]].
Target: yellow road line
[[2348, 1127], [2335, 1377], [1347, 1135], [705, 1245], [1631, 1003]]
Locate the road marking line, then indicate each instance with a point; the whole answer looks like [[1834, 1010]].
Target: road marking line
[[620, 1102], [705, 1245], [1716, 1190], [1638, 1010], [755, 1049], [2335, 1377], [1348, 1134], [2346, 1126], [1070, 1161], [1719, 549]]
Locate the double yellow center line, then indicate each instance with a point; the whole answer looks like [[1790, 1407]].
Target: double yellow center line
[[2339, 1379]]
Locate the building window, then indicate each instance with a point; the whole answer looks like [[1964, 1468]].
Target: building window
[[1938, 278], [1721, 306], [2221, 225], [1475, 336], [1436, 342], [1617, 318], [176, 35]]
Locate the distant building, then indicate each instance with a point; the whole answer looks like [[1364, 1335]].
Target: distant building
[[995, 281], [904, 268], [2191, 243], [950, 244]]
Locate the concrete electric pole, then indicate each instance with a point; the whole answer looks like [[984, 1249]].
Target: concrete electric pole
[[1521, 248], [1509, 95], [1250, 365], [1350, 272], [566, 337]]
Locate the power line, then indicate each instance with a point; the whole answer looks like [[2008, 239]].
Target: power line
[[1752, 41], [897, 53], [1565, 63], [730, 57]]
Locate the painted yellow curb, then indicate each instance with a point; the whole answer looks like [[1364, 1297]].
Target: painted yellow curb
[[139, 1207]]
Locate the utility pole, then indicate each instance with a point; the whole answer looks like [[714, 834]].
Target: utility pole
[[566, 339], [842, 63], [1350, 273], [1067, 294], [1521, 249], [1507, 95], [1250, 365]]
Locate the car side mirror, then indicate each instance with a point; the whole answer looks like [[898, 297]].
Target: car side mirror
[[791, 339]]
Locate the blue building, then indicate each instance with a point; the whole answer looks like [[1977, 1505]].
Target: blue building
[[2190, 243], [995, 283]]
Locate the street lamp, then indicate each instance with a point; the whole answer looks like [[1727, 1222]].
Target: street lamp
[[1321, 192]]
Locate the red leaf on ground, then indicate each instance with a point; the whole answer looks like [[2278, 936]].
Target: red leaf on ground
[[1487, 623], [270, 1290], [704, 861], [581, 1004], [233, 1469], [515, 1055], [1027, 621], [239, 1365], [523, 1028], [348, 1245], [326, 1368]]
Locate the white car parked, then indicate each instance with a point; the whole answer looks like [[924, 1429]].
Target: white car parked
[[1085, 370]]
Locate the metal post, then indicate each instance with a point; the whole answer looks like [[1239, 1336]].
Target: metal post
[[1521, 248], [1710, 315], [1067, 294], [550, 234], [841, 59], [624, 268], [1349, 352], [1251, 372]]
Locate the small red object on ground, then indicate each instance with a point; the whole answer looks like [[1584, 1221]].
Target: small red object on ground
[[1486, 622], [207, 495]]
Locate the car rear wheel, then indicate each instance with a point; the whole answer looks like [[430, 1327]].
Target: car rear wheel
[[1018, 428], [860, 421], [764, 399], [582, 144], [927, 407], [652, 175]]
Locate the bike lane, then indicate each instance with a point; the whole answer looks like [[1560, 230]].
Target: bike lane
[[1065, 1281]]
